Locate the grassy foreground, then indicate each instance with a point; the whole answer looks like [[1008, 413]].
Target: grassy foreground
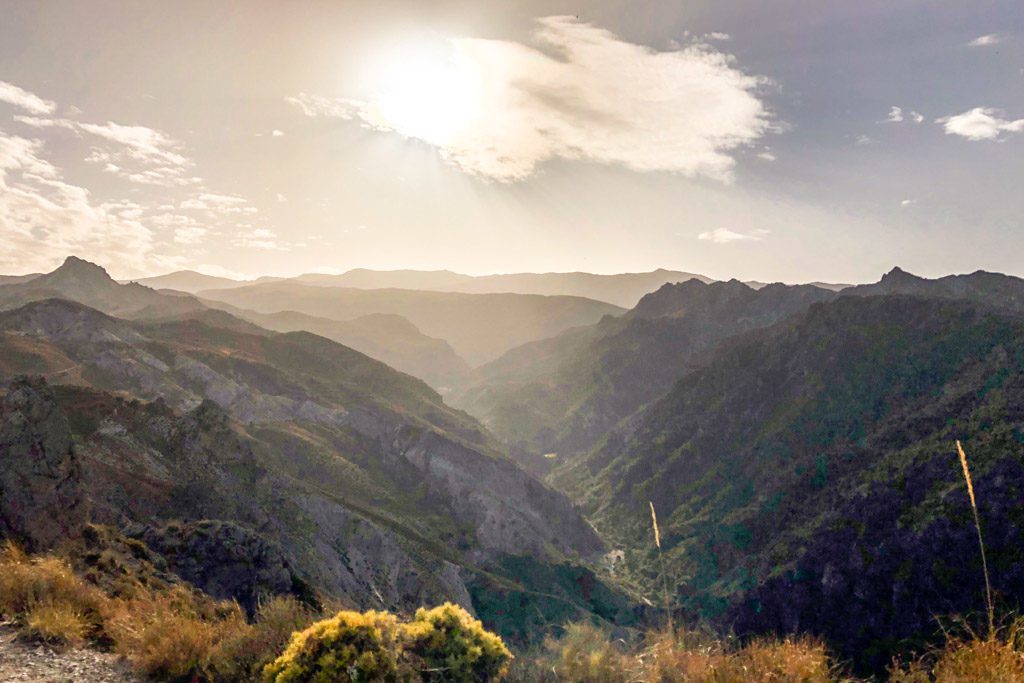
[[175, 633]]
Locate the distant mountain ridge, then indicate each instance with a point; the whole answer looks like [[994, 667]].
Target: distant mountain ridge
[[621, 289], [480, 327]]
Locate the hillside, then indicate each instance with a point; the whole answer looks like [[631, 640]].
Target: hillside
[[313, 445], [783, 467], [480, 327], [562, 395]]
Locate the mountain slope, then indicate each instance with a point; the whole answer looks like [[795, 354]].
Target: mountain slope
[[839, 420], [562, 395], [478, 326], [322, 449]]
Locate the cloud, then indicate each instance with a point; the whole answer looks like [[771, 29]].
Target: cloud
[[23, 99], [277, 133], [897, 115], [980, 123], [154, 153], [986, 40], [908, 202], [44, 218], [767, 156], [499, 109], [725, 236]]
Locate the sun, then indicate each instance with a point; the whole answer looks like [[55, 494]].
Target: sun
[[426, 96]]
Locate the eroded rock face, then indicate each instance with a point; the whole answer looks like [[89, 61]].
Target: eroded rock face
[[224, 560], [41, 500]]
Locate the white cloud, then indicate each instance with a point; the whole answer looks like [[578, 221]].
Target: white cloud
[[23, 99], [725, 236], [767, 156], [897, 115], [908, 202], [151, 149], [986, 40], [43, 218], [980, 123], [277, 133], [498, 109], [863, 141], [718, 35]]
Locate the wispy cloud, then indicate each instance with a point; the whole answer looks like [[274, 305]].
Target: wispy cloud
[[980, 123], [725, 236], [986, 40], [587, 94], [43, 217], [897, 115], [137, 153], [23, 99]]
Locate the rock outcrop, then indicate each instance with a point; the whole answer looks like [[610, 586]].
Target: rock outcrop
[[41, 499]]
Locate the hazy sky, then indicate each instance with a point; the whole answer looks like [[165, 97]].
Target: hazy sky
[[774, 140]]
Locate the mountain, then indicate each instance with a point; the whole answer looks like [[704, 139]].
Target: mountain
[[189, 281], [1004, 292], [806, 478], [88, 283], [623, 289], [480, 327], [558, 397], [386, 337], [377, 492]]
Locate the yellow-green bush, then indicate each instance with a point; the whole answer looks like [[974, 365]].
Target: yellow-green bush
[[447, 644], [351, 646], [440, 644]]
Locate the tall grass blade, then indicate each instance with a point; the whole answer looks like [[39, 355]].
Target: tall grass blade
[[981, 542]]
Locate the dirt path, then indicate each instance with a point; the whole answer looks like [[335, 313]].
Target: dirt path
[[21, 662]]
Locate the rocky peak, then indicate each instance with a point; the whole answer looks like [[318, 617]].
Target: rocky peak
[[76, 272]]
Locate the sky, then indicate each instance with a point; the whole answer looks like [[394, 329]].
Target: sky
[[781, 141]]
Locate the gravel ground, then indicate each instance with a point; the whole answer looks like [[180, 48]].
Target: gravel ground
[[34, 662]]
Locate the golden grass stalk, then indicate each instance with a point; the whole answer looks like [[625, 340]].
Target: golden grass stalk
[[981, 543], [661, 563]]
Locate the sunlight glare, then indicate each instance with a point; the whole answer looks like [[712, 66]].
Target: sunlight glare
[[428, 97]]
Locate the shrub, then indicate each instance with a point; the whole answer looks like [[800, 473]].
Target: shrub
[[57, 623], [351, 646], [447, 644], [244, 654], [45, 599], [585, 653]]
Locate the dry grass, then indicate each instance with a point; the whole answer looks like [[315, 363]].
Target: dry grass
[[998, 658], [174, 633]]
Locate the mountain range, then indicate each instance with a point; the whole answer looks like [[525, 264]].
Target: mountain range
[[621, 289], [367, 484], [480, 327], [797, 442]]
